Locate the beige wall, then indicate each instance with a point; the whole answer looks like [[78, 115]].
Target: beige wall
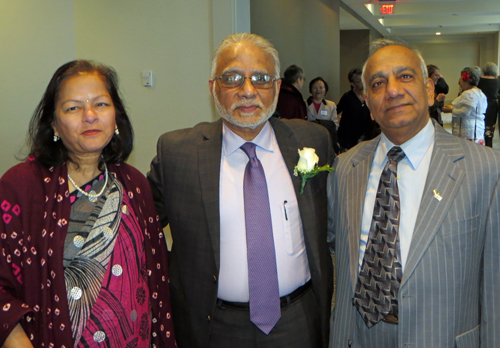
[[354, 45], [451, 58], [304, 33], [488, 49], [172, 38], [36, 37]]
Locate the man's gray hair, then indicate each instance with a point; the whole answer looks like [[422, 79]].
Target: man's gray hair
[[258, 41], [490, 69], [381, 43]]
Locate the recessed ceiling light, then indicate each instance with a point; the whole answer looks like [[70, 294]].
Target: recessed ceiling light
[[438, 33]]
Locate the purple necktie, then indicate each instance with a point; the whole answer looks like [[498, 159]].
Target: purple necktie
[[265, 308]]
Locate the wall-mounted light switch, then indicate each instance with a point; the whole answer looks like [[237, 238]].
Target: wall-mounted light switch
[[147, 78]]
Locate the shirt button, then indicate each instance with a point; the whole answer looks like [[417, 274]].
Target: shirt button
[[117, 270], [99, 336], [76, 293]]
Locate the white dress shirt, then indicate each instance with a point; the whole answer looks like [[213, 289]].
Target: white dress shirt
[[412, 174], [291, 257]]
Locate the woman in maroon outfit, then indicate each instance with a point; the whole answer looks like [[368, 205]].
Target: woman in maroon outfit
[[83, 260]]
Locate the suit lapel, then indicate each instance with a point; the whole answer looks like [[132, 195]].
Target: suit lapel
[[356, 183], [209, 159], [289, 147], [445, 177]]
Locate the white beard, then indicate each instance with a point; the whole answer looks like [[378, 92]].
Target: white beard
[[229, 117]]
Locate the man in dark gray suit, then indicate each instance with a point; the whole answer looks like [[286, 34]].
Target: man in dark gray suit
[[417, 234], [199, 182]]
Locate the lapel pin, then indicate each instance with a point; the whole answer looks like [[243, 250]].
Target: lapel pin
[[437, 195]]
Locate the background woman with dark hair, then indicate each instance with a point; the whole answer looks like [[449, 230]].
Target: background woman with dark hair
[[439, 84], [469, 108], [323, 111], [317, 107], [490, 85], [355, 122], [84, 259]]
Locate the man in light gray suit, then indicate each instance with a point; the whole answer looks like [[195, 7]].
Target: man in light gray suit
[[199, 181], [440, 287]]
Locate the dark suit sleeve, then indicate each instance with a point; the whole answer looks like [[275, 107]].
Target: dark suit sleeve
[[341, 104], [155, 179]]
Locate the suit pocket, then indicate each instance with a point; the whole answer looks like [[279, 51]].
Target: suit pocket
[[290, 224], [460, 242], [459, 227], [469, 339]]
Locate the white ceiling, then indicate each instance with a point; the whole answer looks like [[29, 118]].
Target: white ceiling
[[419, 20]]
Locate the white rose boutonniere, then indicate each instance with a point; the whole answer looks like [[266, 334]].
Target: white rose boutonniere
[[307, 166]]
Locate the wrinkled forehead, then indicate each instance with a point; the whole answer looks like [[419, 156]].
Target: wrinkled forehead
[[244, 57], [390, 59]]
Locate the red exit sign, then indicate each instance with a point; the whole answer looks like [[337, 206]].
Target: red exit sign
[[386, 9]]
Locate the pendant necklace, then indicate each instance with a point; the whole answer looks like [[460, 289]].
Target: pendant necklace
[[92, 195]]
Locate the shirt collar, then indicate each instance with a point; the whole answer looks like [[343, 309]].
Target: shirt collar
[[231, 142], [415, 148]]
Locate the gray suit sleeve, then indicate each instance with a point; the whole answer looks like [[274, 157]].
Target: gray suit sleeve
[[490, 316], [332, 201]]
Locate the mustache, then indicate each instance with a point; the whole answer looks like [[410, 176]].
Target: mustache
[[245, 103]]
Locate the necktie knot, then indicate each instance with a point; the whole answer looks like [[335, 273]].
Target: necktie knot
[[249, 149], [396, 154]]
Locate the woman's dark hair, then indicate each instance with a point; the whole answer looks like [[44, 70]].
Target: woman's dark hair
[[41, 133], [313, 81], [431, 68], [352, 73]]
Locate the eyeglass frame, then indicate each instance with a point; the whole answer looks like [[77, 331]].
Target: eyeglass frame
[[274, 79]]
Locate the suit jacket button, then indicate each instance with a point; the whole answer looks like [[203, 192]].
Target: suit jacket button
[[209, 318], [215, 279]]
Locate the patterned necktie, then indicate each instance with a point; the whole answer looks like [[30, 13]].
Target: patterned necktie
[[265, 307], [381, 273]]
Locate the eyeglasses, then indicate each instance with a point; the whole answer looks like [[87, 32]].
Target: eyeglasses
[[259, 81]]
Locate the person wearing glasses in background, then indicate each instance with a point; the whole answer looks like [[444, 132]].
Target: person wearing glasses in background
[[220, 207]]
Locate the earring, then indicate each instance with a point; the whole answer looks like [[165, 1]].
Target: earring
[[117, 132], [56, 138]]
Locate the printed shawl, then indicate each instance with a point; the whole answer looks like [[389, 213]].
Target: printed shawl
[[34, 210]]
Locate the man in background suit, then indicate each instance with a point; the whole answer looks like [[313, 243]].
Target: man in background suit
[[198, 180], [443, 274]]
